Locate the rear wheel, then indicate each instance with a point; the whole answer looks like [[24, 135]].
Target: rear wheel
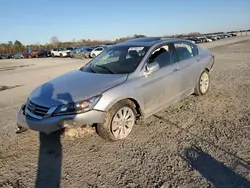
[[52, 55], [93, 55], [119, 121], [61, 55], [203, 84]]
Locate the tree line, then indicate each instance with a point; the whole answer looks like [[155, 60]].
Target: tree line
[[17, 46]]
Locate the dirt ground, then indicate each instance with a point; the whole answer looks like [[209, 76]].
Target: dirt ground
[[198, 142]]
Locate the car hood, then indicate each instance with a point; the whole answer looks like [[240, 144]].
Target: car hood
[[74, 86]]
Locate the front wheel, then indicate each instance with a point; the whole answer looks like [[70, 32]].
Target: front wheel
[[119, 121], [203, 84]]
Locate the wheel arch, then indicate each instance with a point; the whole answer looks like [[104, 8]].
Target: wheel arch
[[137, 104]]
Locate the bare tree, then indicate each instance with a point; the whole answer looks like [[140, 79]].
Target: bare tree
[[54, 40]]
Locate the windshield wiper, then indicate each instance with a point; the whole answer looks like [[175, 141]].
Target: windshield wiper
[[106, 68]]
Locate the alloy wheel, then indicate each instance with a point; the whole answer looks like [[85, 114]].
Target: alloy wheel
[[123, 122]]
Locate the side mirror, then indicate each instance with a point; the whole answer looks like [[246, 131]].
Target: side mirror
[[152, 67]]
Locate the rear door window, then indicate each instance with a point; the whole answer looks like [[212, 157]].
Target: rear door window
[[185, 50]]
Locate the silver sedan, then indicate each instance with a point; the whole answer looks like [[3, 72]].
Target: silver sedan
[[126, 82]]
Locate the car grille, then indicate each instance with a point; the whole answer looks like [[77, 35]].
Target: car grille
[[37, 109]]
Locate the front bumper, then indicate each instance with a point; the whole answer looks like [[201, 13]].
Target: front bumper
[[54, 123]]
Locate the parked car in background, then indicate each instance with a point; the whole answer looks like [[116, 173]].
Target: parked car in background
[[221, 36], [3, 56], [196, 39], [10, 56], [234, 34], [30, 53], [81, 53], [95, 52], [208, 40], [218, 37], [61, 52], [44, 53], [18, 55], [229, 35], [191, 40], [213, 38], [225, 36], [204, 39], [127, 82]]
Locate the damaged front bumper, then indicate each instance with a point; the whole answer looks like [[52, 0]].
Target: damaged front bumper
[[54, 123]]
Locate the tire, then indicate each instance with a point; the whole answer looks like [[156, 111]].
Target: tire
[[106, 130], [93, 55], [61, 55], [203, 85], [52, 55], [37, 56], [30, 56]]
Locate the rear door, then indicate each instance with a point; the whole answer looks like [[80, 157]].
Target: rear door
[[189, 61]]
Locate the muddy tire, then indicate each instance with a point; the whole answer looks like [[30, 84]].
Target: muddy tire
[[203, 84], [119, 121]]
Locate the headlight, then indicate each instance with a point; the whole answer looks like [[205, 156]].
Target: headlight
[[77, 107]]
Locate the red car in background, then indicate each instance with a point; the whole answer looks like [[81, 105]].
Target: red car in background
[[30, 53]]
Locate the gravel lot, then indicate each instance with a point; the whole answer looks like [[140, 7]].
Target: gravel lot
[[198, 142]]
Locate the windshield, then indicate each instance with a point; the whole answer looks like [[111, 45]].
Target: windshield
[[117, 60]]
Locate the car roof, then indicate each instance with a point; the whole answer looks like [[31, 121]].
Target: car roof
[[148, 41]]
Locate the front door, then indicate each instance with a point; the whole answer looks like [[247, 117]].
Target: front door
[[162, 87]]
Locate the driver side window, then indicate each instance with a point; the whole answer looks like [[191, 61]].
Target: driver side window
[[163, 56]]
